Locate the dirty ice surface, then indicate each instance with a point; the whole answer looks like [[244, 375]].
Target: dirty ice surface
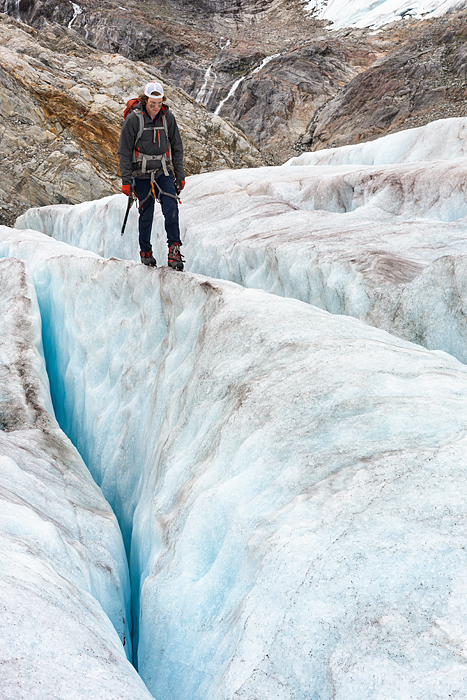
[[361, 13], [290, 484], [376, 231]]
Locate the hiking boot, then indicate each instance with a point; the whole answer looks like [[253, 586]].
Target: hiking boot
[[147, 258], [175, 260]]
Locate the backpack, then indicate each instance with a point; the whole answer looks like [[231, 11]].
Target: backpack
[[130, 106], [144, 158]]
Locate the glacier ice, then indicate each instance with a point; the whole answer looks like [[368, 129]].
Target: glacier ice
[[64, 591], [365, 231], [290, 484], [443, 139]]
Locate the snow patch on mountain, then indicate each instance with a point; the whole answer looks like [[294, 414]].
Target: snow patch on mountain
[[360, 13]]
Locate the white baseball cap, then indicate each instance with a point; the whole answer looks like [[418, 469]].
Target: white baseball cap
[[152, 88]]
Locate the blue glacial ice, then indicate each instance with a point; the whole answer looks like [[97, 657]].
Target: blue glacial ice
[[289, 483], [64, 593]]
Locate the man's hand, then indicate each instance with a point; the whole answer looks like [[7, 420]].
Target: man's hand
[[126, 189], [179, 185]]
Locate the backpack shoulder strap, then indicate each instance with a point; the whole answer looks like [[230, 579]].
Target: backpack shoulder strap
[[164, 122], [140, 116]]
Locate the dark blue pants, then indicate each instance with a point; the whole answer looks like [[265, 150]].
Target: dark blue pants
[[169, 207]]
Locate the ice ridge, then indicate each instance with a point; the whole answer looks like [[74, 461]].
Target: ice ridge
[[365, 231], [290, 484]]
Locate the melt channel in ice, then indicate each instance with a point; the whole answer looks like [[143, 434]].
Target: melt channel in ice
[[375, 231], [290, 484], [64, 585]]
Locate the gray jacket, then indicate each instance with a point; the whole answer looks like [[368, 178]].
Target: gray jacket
[[152, 142]]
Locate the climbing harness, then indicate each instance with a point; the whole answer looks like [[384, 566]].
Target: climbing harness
[[151, 164], [157, 196]]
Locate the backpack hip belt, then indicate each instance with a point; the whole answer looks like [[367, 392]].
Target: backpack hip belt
[[144, 159]]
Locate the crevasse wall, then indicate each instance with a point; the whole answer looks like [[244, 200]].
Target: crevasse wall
[[64, 593], [291, 483]]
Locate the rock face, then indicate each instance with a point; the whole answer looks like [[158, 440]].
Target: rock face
[[275, 72], [418, 81], [205, 48], [62, 108], [274, 105]]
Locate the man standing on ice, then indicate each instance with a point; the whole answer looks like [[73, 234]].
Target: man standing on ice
[[150, 151]]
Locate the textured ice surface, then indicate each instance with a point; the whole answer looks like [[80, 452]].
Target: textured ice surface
[[369, 231], [64, 586], [361, 13], [291, 484], [443, 139]]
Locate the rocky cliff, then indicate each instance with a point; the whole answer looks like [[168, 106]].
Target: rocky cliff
[[422, 77], [273, 71], [62, 104], [274, 106], [206, 47]]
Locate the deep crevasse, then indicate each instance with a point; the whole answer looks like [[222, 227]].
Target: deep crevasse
[[284, 475], [65, 595]]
